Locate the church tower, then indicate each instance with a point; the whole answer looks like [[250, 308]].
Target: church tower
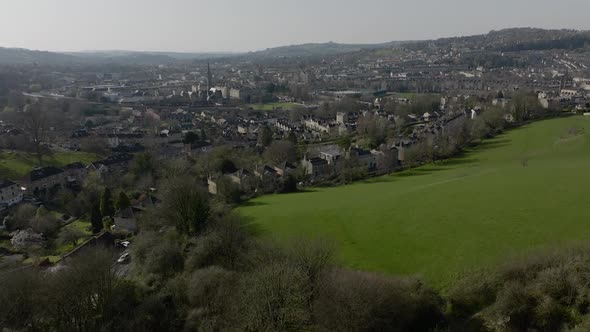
[[209, 81]]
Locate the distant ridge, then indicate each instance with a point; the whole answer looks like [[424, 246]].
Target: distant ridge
[[511, 39]]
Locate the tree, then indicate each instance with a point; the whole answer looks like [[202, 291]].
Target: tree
[[265, 136], [281, 151], [229, 190], [185, 204], [106, 203], [144, 163], [123, 201], [190, 138], [34, 123], [345, 142], [292, 137], [69, 235], [275, 298], [96, 219]]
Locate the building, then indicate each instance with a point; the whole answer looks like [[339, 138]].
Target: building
[[117, 162], [126, 220], [10, 193], [285, 168], [331, 154], [75, 173], [197, 147], [316, 167], [364, 158], [43, 178]]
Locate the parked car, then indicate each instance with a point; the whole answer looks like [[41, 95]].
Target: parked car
[[124, 258], [123, 244]]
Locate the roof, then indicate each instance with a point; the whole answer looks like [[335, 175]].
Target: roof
[[360, 152], [115, 159], [76, 165], [286, 165], [316, 161], [44, 172], [6, 183], [200, 145]]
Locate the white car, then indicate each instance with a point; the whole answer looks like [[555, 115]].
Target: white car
[[124, 258], [125, 243]]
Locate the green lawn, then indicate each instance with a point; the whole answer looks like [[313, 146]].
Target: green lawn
[[439, 221], [15, 164], [272, 106]]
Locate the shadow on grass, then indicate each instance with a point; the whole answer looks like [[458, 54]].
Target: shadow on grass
[[252, 203], [490, 144], [250, 225]]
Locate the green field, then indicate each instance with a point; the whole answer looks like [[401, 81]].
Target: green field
[[272, 106], [524, 190], [15, 164]]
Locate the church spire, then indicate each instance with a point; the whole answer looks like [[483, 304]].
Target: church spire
[[209, 77]]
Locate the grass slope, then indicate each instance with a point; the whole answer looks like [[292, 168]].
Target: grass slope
[[272, 106], [438, 221], [14, 164]]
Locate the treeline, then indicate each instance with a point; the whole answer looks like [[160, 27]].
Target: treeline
[[568, 43], [465, 131], [201, 268], [198, 267]]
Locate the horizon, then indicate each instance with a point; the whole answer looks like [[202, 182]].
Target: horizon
[[197, 26], [82, 51]]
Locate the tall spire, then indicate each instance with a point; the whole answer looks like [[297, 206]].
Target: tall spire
[[209, 77], [209, 80]]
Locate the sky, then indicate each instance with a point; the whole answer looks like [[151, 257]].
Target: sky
[[249, 25]]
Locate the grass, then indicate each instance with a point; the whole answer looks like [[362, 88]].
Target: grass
[[412, 95], [15, 164], [272, 106], [524, 190]]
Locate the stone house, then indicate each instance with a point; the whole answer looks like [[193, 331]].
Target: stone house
[[10, 193], [316, 167]]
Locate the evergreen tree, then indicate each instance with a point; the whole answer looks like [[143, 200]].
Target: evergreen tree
[[107, 208], [265, 136], [96, 219], [123, 201]]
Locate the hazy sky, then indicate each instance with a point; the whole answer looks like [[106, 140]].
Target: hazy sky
[[243, 25]]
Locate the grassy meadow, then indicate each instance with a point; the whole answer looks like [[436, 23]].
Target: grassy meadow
[[272, 106], [524, 190], [15, 164]]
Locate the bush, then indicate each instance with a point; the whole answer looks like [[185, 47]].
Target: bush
[[274, 297], [546, 292], [357, 301]]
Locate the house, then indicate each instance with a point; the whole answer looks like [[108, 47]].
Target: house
[[331, 154], [75, 173], [117, 162], [197, 147], [43, 178], [126, 220], [240, 177], [265, 171], [212, 185], [285, 168], [316, 167], [10, 193], [364, 157]]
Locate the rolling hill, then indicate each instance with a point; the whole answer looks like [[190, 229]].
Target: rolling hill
[[523, 190]]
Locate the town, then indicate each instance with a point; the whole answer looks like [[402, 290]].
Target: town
[[128, 152]]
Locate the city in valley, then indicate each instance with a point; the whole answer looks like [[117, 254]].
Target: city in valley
[[423, 185]]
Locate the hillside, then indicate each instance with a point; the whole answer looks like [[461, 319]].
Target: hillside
[[319, 49], [24, 56], [520, 191], [514, 39]]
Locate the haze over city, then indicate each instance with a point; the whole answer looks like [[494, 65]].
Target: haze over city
[[294, 165], [235, 25]]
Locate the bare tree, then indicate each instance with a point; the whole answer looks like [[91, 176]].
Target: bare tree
[[34, 123]]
